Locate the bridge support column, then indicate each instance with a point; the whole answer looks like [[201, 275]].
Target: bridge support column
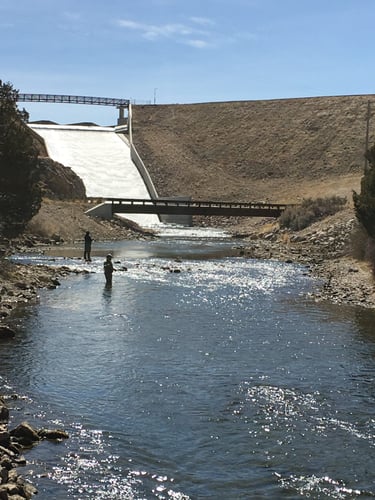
[[182, 220], [122, 120], [103, 210]]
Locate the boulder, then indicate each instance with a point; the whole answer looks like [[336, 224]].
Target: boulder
[[4, 412], [25, 434], [13, 490], [7, 452], [3, 475], [3, 492], [6, 463], [4, 436]]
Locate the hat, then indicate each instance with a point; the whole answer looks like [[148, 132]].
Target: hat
[[109, 256]]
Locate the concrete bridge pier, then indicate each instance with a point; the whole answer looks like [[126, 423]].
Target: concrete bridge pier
[[122, 120]]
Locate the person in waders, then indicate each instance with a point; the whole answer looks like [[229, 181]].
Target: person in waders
[[108, 271], [87, 251]]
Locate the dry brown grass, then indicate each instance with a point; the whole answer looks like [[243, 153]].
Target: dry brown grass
[[277, 150]]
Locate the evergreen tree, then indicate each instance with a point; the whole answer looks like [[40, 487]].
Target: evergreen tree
[[19, 191], [364, 203]]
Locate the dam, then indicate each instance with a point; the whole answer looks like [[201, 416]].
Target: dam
[[101, 157]]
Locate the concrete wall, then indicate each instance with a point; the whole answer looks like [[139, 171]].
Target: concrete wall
[[104, 211], [137, 160]]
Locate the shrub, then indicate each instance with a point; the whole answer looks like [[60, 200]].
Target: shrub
[[309, 211], [359, 243], [364, 203]]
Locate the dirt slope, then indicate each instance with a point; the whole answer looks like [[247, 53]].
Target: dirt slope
[[277, 150]]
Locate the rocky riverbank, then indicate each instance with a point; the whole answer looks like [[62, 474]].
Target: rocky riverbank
[[12, 485], [330, 249], [20, 284], [12, 444]]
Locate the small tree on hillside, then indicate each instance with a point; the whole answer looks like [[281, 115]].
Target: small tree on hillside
[[19, 191], [364, 203]]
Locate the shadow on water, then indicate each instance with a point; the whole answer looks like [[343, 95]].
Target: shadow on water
[[365, 320]]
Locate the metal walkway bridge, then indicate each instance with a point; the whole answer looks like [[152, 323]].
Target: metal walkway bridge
[[188, 207], [120, 104], [74, 99]]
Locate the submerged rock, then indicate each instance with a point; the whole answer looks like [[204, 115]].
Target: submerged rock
[[6, 332], [53, 434]]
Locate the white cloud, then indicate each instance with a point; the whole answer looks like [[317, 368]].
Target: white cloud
[[177, 31], [72, 16], [166, 31], [195, 33], [126, 23], [203, 21], [198, 44]]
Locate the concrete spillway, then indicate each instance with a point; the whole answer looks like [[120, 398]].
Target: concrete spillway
[[101, 157]]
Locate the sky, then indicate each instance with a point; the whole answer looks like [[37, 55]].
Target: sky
[[174, 51]]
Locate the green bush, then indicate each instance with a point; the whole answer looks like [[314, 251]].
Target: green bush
[[309, 211]]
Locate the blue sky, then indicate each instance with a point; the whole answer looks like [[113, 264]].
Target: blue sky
[[175, 51]]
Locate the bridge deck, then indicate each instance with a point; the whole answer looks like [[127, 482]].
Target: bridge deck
[[74, 99], [188, 207]]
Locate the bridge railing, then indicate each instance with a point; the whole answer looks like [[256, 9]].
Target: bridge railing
[[199, 203], [74, 99], [191, 207]]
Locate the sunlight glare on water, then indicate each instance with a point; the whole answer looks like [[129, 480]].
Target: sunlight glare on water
[[195, 378]]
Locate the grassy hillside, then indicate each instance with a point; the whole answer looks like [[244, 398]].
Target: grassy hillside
[[277, 150]]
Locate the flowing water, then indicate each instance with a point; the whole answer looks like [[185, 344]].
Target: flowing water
[[101, 158], [196, 376]]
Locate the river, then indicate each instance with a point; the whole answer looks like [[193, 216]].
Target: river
[[196, 376]]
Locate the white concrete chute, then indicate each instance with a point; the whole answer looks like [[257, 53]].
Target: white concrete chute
[[101, 158]]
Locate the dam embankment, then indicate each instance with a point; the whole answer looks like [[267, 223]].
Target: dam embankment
[[101, 158], [280, 150]]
